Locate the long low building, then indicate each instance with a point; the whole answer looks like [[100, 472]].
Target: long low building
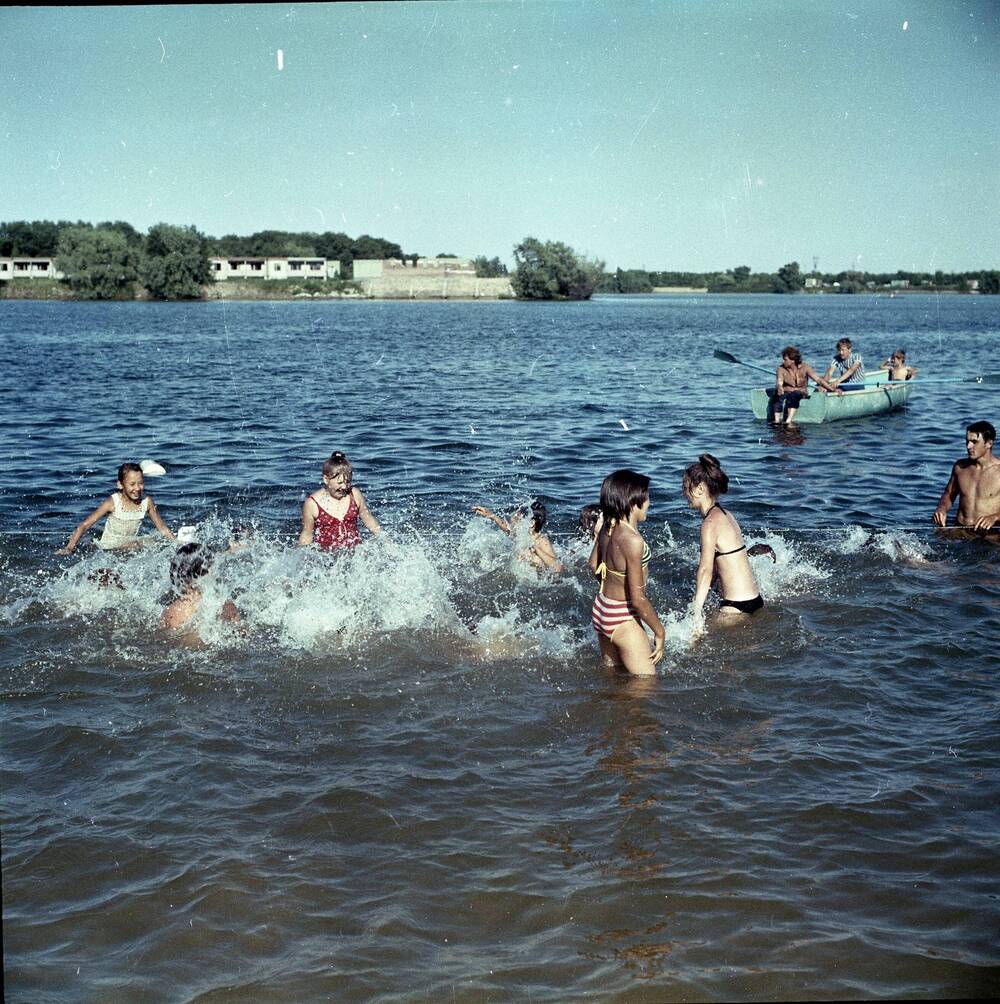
[[250, 267], [28, 268]]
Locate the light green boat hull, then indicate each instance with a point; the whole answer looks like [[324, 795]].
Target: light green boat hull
[[821, 407]]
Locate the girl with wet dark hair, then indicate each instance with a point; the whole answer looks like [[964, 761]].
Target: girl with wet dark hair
[[723, 552], [620, 559]]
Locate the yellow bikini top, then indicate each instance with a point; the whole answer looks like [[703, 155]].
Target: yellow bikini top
[[603, 570]]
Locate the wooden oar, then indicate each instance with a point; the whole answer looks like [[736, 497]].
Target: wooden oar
[[728, 357], [986, 379]]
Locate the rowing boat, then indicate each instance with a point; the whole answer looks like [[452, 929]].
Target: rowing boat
[[875, 399]]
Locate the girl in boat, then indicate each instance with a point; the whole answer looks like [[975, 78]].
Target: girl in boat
[[723, 552], [620, 558]]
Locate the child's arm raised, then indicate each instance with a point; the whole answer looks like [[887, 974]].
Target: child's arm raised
[[106, 507], [363, 511], [157, 521], [308, 523], [481, 510]]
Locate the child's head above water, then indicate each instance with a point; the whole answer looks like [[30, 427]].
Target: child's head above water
[[538, 514], [131, 481], [338, 474], [337, 463], [708, 472], [190, 562], [621, 492], [588, 520]]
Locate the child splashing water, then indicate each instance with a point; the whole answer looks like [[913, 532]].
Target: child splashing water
[[539, 551], [191, 562], [125, 510], [330, 516]]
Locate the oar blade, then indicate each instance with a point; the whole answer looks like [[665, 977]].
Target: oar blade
[[726, 357]]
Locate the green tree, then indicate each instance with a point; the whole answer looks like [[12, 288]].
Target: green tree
[[721, 282], [175, 266], [132, 236], [490, 268], [375, 248], [631, 280], [741, 274], [97, 264], [38, 239], [789, 279], [552, 270], [989, 282]]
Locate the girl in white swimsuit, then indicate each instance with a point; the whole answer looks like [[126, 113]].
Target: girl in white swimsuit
[[125, 510]]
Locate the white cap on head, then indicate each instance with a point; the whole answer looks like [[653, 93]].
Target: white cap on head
[[186, 535]]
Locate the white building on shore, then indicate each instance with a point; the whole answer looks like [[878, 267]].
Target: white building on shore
[[28, 268], [252, 267]]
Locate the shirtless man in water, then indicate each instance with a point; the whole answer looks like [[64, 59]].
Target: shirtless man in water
[[792, 384], [976, 482]]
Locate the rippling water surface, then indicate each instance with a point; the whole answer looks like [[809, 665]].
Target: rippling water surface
[[408, 778]]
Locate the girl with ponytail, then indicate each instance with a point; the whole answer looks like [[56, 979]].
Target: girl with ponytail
[[723, 553], [619, 559]]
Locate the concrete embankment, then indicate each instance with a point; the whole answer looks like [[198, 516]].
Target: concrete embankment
[[435, 287], [381, 288]]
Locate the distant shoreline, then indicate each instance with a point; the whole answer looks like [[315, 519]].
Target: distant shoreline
[[237, 292]]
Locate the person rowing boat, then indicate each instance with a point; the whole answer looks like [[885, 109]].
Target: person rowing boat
[[792, 384]]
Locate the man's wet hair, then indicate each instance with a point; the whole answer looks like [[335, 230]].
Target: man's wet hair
[[983, 429], [845, 341], [191, 561], [791, 352]]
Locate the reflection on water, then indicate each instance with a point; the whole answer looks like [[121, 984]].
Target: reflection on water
[[788, 435]]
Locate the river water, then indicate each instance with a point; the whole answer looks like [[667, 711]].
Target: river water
[[407, 778]]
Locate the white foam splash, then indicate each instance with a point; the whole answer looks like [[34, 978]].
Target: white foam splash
[[389, 591]]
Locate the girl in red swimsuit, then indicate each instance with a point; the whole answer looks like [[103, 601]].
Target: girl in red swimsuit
[[330, 516]]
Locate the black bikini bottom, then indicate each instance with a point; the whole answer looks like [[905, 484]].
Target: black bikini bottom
[[744, 606]]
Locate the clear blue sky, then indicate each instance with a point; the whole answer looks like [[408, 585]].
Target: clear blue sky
[[655, 134]]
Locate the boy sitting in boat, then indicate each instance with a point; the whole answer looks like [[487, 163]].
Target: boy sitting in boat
[[847, 367], [792, 385], [896, 365]]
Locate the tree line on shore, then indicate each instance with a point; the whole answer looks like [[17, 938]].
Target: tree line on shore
[[790, 279], [109, 260]]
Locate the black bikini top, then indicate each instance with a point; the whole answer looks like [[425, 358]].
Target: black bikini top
[[722, 554]]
